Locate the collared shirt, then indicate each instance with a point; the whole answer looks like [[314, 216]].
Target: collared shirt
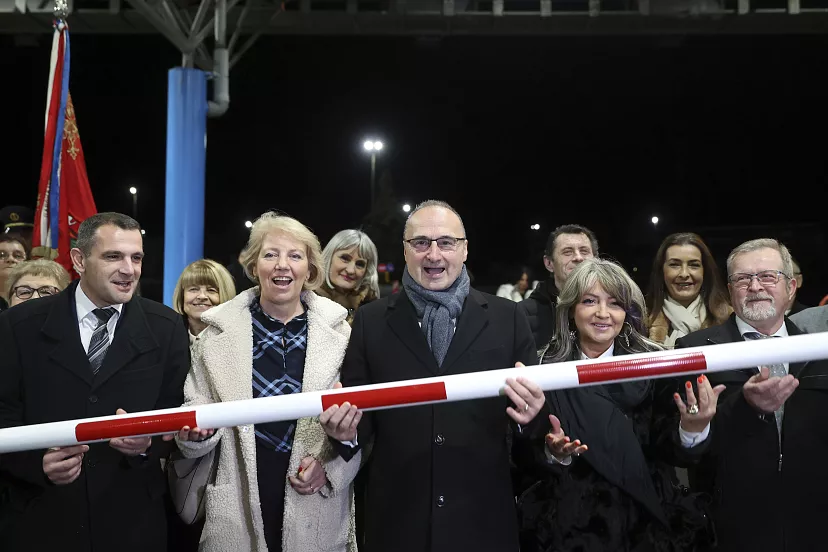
[[690, 439], [278, 368], [744, 328], [87, 321]]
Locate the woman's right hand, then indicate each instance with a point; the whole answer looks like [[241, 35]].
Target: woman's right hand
[[704, 407], [559, 444], [194, 434]]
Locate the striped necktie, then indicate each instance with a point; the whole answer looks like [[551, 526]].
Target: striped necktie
[[776, 371], [100, 339]]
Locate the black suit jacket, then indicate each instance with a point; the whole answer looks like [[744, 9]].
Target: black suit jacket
[[439, 476], [765, 499], [117, 502]]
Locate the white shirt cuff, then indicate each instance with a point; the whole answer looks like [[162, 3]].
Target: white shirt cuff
[[552, 459], [351, 444], [690, 439]]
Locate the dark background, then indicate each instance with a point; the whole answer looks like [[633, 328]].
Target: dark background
[[716, 134]]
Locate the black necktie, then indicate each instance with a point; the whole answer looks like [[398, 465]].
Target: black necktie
[[100, 339]]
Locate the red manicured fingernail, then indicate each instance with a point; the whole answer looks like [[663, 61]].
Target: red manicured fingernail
[[675, 395], [688, 385], [701, 379], [300, 469]]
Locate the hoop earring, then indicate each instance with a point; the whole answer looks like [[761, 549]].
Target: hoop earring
[[626, 335]]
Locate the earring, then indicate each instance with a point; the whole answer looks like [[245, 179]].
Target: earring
[[627, 334], [572, 335]]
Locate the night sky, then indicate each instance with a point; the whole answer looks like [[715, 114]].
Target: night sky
[[716, 134]]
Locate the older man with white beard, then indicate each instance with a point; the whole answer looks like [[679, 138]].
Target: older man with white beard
[[762, 458]]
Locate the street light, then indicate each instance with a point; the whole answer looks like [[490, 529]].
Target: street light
[[535, 227], [406, 208], [654, 220], [372, 147], [134, 191], [143, 231], [248, 224]]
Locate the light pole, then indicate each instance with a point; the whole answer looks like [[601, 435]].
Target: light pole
[[134, 191], [373, 147]]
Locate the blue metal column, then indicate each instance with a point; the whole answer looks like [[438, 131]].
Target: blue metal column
[[186, 158]]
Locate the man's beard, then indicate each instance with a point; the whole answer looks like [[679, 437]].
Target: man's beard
[[758, 312]]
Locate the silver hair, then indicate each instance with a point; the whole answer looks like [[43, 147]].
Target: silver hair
[[762, 243], [348, 239], [618, 284], [434, 203]]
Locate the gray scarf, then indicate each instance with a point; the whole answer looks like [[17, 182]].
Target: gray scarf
[[437, 309]]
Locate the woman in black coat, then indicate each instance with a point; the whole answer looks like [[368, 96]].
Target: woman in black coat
[[610, 489]]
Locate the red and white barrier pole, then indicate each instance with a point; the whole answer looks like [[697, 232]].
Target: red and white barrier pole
[[475, 385]]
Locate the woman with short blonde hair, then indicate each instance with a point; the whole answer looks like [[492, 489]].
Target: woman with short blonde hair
[[280, 485], [39, 278], [201, 286]]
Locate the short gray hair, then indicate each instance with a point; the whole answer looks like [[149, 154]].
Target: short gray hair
[[762, 243], [88, 229], [348, 239], [434, 203]]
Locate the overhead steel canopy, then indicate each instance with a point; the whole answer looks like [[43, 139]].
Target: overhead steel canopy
[[438, 17]]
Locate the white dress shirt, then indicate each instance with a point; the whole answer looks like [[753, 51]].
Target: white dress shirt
[[87, 321], [690, 439]]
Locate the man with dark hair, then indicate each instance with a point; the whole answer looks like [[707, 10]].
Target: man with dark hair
[[95, 349], [567, 247]]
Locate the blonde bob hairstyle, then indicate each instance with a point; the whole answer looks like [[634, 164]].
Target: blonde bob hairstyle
[[275, 223], [40, 267], [204, 272]]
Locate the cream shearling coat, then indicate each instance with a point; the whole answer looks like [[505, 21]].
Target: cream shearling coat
[[222, 371]]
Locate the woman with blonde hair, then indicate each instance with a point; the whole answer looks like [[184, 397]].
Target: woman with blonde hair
[[32, 279], [201, 286], [686, 291], [279, 486], [349, 264], [609, 487]]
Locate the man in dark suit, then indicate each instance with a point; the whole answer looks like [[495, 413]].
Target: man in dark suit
[[92, 350], [763, 456], [439, 479], [567, 247]]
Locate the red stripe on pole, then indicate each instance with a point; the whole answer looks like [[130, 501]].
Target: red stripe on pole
[[641, 368], [394, 396], [138, 425]]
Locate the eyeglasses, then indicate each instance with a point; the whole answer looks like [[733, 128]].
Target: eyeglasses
[[17, 256], [445, 243], [25, 292], [742, 280]]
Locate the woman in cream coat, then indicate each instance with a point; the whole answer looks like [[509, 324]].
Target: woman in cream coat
[[281, 468]]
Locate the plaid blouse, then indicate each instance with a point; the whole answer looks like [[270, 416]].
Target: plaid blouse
[[278, 367]]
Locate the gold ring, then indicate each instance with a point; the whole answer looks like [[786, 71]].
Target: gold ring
[[693, 409]]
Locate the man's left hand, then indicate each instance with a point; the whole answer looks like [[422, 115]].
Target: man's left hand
[[527, 397], [130, 446]]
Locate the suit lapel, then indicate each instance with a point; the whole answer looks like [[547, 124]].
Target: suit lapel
[[796, 368], [729, 333], [61, 328], [402, 319], [473, 319], [132, 339]]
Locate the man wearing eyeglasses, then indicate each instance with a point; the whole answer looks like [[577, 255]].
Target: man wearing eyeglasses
[[439, 478], [763, 456], [94, 349]]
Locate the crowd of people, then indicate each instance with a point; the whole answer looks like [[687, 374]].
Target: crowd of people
[[578, 470]]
